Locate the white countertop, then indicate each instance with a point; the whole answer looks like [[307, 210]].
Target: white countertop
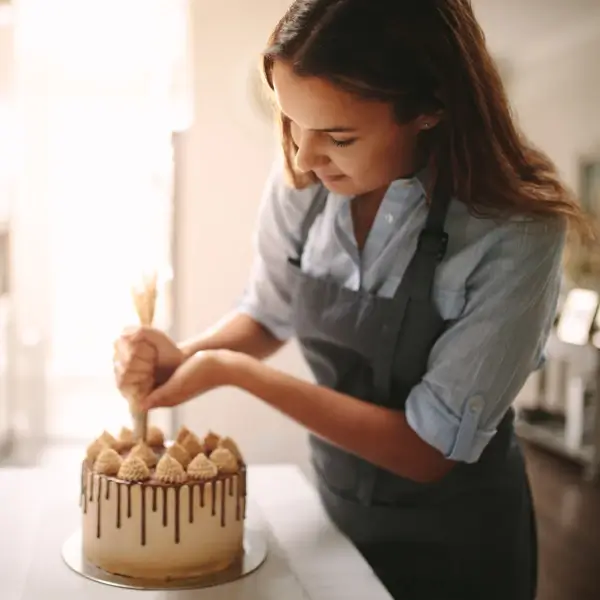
[[308, 559]]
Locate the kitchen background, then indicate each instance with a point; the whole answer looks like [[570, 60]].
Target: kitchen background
[[133, 135]]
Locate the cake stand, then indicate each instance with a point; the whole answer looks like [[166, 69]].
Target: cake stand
[[255, 553]]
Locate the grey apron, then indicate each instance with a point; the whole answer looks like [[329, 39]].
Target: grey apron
[[470, 535]]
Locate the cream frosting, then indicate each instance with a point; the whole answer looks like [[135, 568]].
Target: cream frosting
[[126, 438], [230, 445], [155, 436], [108, 462], [225, 460], [110, 440], [134, 469], [170, 470], [144, 452], [192, 444], [202, 468], [180, 454], [94, 449], [211, 442], [182, 434]]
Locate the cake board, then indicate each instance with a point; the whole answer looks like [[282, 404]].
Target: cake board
[[255, 553]]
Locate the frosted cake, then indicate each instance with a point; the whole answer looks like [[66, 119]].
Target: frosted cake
[[162, 511]]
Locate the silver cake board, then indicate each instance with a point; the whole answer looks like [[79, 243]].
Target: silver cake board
[[255, 553]]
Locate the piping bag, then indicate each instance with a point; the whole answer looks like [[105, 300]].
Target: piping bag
[[144, 299]]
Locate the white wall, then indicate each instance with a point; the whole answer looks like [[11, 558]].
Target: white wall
[[227, 155], [6, 108], [557, 102], [94, 120]]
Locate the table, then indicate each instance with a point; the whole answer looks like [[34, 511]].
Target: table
[[308, 558]]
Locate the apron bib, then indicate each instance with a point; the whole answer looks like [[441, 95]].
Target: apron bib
[[473, 532]]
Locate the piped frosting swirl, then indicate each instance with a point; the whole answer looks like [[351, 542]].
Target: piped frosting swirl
[[110, 440], [155, 437], [192, 444], [211, 442], [95, 448], [145, 453], [225, 460], [108, 462], [134, 469], [230, 445], [182, 434], [126, 439], [180, 454], [202, 468], [170, 470]]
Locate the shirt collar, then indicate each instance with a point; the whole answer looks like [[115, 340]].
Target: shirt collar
[[401, 186]]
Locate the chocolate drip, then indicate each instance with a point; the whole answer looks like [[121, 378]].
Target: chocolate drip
[[244, 492], [191, 503], [98, 507], [240, 508], [143, 524], [119, 505], [238, 498], [165, 519], [214, 497], [92, 491], [82, 485], [84, 495], [177, 514], [223, 494]]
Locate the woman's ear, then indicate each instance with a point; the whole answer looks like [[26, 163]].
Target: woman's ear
[[426, 122]]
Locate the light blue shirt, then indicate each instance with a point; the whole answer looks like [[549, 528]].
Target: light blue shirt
[[498, 286]]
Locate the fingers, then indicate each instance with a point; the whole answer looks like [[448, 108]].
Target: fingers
[[134, 361], [136, 391], [163, 396], [135, 349], [155, 399], [136, 333]]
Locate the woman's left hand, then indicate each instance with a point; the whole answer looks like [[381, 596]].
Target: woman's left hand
[[197, 375]]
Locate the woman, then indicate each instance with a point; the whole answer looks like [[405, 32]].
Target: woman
[[411, 240]]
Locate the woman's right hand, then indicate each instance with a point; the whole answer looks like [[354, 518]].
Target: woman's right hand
[[144, 358]]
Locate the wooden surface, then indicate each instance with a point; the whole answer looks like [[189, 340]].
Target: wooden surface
[[568, 514]]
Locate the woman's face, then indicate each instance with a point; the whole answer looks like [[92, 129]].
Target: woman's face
[[354, 146]]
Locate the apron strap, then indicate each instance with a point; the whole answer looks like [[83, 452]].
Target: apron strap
[[410, 338], [416, 285], [314, 210], [431, 245]]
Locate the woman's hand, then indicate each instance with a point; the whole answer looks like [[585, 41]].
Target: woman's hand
[[144, 358], [199, 374]]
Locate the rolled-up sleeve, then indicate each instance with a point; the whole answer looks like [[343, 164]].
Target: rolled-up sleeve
[[267, 297], [480, 363]]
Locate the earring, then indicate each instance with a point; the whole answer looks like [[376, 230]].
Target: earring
[[426, 125]]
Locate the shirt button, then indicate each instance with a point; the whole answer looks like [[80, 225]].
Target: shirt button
[[389, 218], [475, 404]]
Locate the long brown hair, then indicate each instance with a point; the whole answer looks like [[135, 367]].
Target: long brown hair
[[424, 56]]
